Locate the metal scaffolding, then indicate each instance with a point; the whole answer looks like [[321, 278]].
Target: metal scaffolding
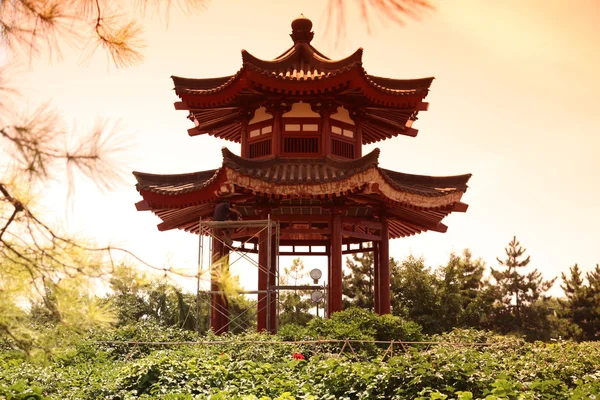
[[242, 250]]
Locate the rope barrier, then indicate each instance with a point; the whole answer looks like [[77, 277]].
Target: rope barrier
[[346, 342]]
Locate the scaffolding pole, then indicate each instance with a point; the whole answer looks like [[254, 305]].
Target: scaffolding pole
[[206, 227], [199, 276]]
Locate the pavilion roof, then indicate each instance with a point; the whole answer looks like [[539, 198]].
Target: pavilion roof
[[218, 105], [290, 171], [415, 202]]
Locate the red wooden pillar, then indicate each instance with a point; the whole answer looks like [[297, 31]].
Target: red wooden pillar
[[325, 110], [262, 282], [358, 122], [219, 317], [272, 328], [277, 110], [384, 269], [376, 289], [244, 138], [335, 280]]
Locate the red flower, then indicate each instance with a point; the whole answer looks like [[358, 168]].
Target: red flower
[[298, 356]]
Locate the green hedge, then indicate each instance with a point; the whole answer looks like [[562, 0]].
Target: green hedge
[[468, 365]]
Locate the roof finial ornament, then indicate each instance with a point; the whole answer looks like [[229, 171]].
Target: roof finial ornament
[[301, 29]]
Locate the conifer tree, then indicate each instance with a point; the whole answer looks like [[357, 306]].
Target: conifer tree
[[518, 293], [358, 286], [295, 305], [463, 295], [582, 304]]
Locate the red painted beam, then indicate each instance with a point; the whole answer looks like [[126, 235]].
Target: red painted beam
[[422, 106], [359, 235], [362, 222], [143, 205], [181, 105], [412, 132], [423, 223], [460, 207]]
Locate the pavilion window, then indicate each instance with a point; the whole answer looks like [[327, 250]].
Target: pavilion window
[[254, 133], [292, 127], [259, 139], [301, 136], [342, 140], [260, 148]]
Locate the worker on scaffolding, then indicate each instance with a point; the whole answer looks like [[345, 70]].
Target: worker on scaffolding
[[226, 211]]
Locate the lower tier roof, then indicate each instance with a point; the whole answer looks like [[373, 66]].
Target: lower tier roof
[[305, 191]]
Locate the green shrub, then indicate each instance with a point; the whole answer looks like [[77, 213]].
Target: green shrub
[[355, 324], [146, 331]]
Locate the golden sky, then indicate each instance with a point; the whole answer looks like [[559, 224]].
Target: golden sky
[[515, 102]]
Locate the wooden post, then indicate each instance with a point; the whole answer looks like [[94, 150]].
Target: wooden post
[[325, 110], [357, 117], [277, 109], [219, 317], [335, 281], [376, 288], [384, 269], [262, 282], [244, 136]]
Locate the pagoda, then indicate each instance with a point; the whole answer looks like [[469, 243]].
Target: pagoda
[[302, 120]]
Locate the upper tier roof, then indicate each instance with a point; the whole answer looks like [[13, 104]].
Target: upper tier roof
[[388, 106]]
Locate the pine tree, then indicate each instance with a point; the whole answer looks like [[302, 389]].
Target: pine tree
[[358, 287], [464, 302], [295, 305], [582, 304], [518, 293]]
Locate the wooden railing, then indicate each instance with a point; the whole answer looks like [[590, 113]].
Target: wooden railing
[[301, 145], [342, 148], [260, 148]]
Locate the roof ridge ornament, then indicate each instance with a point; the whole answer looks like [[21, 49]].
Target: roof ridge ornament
[[301, 30]]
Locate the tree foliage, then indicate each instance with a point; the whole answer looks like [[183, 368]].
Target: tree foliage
[[358, 283], [414, 292], [581, 305], [465, 301], [295, 304], [520, 296]]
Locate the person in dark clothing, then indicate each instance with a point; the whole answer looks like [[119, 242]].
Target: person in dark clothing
[[224, 212]]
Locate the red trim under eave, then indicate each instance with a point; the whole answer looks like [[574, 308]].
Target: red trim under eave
[[201, 196], [352, 79]]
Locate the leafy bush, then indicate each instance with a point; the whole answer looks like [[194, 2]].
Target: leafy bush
[[356, 324], [467, 365], [146, 331]]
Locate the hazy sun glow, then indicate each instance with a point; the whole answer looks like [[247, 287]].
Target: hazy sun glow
[[515, 103]]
